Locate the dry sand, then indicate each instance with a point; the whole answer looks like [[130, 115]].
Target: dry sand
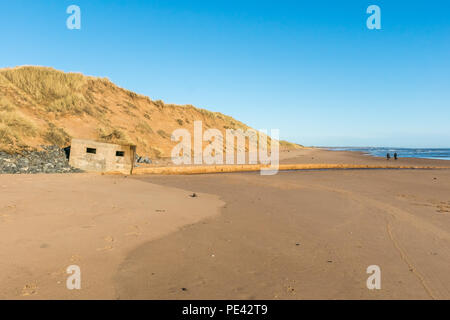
[[49, 222], [295, 235]]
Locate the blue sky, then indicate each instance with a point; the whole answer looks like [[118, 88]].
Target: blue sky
[[309, 68]]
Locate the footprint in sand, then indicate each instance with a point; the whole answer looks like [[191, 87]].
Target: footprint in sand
[[110, 240], [440, 206], [58, 273], [4, 217], [443, 208], [75, 258], [135, 231], [29, 289], [290, 288], [88, 226]]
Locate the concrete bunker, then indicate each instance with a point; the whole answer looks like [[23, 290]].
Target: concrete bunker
[[90, 155]]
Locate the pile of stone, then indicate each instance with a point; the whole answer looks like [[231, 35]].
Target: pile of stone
[[146, 160], [51, 159]]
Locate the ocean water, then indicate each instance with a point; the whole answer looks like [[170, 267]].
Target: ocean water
[[424, 153]]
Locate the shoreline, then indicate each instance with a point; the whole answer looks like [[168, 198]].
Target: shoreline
[[351, 157], [367, 153], [300, 159], [190, 170]]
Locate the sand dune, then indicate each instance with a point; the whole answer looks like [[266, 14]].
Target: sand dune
[[40, 105]]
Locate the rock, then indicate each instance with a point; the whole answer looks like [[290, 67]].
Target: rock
[[51, 159], [140, 159]]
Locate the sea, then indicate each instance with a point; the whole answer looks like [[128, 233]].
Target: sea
[[424, 153]]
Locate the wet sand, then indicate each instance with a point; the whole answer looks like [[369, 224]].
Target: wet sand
[[295, 235], [317, 156], [304, 235]]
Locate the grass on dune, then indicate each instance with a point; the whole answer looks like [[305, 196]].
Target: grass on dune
[[6, 105], [57, 136], [13, 128], [45, 84], [70, 105], [144, 128], [114, 135]]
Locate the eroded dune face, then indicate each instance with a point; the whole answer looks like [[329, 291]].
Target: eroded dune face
[[44, 106]]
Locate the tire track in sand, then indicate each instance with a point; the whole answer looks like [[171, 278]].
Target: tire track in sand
[[405, 258], [394, 213], [397, 214]]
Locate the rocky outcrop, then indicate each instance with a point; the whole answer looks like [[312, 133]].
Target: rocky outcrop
[[51, 159]]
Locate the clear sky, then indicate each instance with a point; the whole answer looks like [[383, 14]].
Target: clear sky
[[309, 68]]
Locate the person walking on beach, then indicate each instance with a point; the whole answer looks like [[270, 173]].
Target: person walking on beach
[[395, 156], [388, 156]]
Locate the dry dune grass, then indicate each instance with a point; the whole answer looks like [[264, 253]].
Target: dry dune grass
[[41, 105], [14, 128], [44, 84]]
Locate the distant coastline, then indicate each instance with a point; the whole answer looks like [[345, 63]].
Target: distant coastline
[[421, 153]]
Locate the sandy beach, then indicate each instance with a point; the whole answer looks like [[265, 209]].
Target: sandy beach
[[49, 222], [295, 235]]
